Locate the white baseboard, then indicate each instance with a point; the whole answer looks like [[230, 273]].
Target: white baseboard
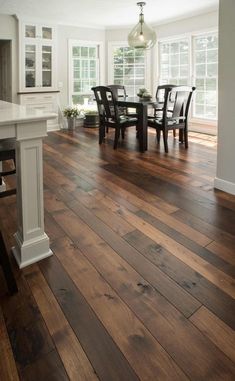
[[55, 127], [224, 185]]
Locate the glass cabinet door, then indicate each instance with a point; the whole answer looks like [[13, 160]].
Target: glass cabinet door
[[46, 65], [37, 52], [30, 31], [46, 33], [30, 65]]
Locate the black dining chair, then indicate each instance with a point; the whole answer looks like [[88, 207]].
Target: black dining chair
[[158, 108], [110, 115], [174, 114], [7, 152]]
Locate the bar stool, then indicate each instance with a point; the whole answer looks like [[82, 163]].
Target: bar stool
[[7, 152]]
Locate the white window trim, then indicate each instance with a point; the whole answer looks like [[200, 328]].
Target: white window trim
[[212, 122], [189, 36], [101, 66], [178, 38], [115, 44]]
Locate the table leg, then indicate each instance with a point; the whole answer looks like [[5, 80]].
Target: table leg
[[142, 127], [32, 244]]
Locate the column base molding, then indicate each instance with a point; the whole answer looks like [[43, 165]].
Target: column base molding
[[23, 251]]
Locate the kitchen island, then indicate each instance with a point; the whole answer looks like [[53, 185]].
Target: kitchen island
[[28, 127]]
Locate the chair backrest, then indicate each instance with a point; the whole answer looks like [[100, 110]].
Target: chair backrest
[[106, 103], [162, 91], [182, 96], [119, 91]]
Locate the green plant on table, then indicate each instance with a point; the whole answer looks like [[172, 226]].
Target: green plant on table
[[71, 112], [144, 93]]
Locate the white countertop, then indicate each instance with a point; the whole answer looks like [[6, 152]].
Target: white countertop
[[11, 113]]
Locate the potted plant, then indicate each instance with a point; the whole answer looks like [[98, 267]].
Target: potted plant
[[91, 118], [71, 113], [144, 94]]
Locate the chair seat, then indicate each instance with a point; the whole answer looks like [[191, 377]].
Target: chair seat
[[158, 122], [123, 119]]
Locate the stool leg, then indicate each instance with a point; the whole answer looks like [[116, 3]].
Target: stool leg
[[4, 260]]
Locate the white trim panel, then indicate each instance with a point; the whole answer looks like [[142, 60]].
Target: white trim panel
[[224, 185]]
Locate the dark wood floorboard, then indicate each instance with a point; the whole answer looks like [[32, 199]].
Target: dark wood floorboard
[[141, 284]]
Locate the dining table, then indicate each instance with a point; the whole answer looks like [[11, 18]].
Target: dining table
[[141, 106]]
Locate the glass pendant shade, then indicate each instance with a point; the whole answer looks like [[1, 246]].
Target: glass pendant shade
[[142, 36]]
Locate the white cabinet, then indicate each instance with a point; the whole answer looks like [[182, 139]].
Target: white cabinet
[[37, 69], [45, 102], [37, 57]]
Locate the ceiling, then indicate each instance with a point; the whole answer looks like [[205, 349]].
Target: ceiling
[[106, 13]]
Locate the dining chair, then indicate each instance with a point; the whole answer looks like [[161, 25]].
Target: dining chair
[[174, 114], [160, 97], [7, 152], [119, 91], [110, 115]]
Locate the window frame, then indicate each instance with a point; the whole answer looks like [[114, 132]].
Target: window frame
[[190, 36], [194, 117], [176, 40], [120, 44], [101, 62]]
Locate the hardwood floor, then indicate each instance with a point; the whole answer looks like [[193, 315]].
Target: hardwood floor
[[141, 284]]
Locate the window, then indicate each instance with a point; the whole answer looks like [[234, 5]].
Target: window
[[84, 71], [193, 61], [174, 62], [128, 68], [205, 50]]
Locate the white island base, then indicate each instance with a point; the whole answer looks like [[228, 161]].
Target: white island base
[[28, 127]]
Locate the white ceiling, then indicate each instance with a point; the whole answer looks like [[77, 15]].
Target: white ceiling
[[106, 13]]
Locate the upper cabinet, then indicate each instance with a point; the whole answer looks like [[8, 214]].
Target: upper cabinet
[[37, 57]]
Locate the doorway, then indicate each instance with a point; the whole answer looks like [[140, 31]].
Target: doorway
[[5, 71]]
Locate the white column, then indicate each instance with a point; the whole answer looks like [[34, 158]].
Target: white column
[[225, 174], [32, 244]]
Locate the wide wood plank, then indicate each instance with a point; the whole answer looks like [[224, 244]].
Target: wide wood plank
[[195, 284], [180, 298], [106, 358], [218, 332], [73, 357], [8, 371], [148, 305]]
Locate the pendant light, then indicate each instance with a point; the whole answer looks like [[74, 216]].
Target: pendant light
[[142, 36]]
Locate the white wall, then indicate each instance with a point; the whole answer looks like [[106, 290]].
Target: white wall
[[225, 179], [9, 31], [189, 25], [75, 33]]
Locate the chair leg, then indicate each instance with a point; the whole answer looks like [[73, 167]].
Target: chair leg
[[158, 135], [4, 261], [165, 138], [123, 133], [181, 136], [101, 133], [117, 134], [186, 137]]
